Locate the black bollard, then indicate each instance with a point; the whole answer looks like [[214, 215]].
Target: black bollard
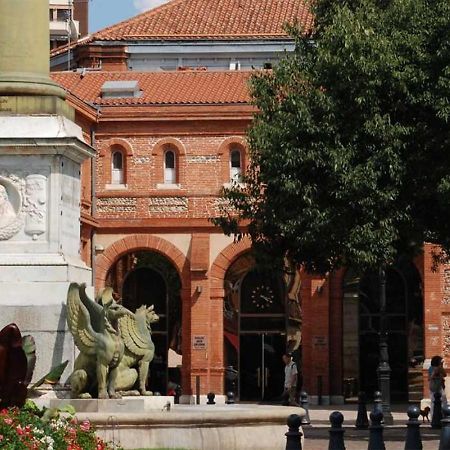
[[211, 396], [445, 433], [437, 411], [376, 441], [336, 431], [362, 421], [230, 398], [413, 439], [304, 403], [377, 402], [294, 436], [177, 394]]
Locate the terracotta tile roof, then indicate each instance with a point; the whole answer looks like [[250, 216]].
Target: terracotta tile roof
[[212, 19], [161, 88], [207, 19]]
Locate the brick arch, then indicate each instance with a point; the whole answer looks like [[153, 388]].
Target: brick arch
[[223, 261], [124, 144], [224, 153], [128, 244], [159, 146], [226, 143]]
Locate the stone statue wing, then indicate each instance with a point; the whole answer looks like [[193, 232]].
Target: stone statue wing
[[134, 340], [79, 318]]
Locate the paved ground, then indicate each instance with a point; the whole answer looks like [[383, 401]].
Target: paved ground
[[316, 438], [316, 435]]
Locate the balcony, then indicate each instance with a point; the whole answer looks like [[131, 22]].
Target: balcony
[[60, 28], [60, 3]]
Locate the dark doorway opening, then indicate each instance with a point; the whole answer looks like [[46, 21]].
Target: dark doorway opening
[[149, 278], [404, 312]]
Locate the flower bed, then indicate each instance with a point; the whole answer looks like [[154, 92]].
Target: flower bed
[[30, 428]]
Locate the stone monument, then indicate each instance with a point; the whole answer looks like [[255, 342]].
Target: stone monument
[[41, 150], [115, 345]]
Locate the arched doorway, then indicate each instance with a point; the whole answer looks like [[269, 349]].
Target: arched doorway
[[255, 331], [149, 278], [361, 325]]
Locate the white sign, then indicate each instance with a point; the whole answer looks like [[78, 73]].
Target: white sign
[[199, 343]]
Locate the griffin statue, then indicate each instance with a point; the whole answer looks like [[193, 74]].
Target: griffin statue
[[116, 346], [94, 326], [139, 349]]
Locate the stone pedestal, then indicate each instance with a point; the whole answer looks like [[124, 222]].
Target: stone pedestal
[[135, 405], [40, 158]]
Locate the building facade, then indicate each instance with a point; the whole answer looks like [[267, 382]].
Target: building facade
[[218, 35], [68, 20], [167, 143]]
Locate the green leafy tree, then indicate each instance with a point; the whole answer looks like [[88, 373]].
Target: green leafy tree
[[350, 148]]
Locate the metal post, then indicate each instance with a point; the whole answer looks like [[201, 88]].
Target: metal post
[[384, 370], [294, 436], [445, 433], [319, 389], [413, 438], [336, 431], [437, 411], [304, 403], [376, 441], [230, 398], [377, 402], [211, 396], [362, 421], [197, 389]]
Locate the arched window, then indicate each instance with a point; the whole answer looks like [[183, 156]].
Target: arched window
[[170, 176], [117, 172], [235, 166]]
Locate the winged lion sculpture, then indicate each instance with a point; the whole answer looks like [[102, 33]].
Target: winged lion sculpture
[[94, 327], [139, 349]]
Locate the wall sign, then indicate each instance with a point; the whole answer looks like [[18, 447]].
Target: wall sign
[[199, 343], [320, 341]]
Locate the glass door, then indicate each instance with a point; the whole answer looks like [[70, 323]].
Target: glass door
[[261, 367]]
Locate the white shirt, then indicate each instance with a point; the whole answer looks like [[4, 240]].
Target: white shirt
[[289, 371]]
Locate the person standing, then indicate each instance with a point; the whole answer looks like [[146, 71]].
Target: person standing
[[436, 380], [290, 381]]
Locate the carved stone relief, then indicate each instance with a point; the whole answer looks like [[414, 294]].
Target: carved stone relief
[[11, 214], [141, 159], [446, 288], [202, 159], [446, 334], [116, 204], [35, 205], [167, 204]]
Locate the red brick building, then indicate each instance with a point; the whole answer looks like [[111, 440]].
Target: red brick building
[[167, 142]]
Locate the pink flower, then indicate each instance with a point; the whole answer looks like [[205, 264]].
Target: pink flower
[[85, 425], [8, 421], [1, 437]]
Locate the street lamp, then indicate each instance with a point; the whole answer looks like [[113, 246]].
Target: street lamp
[[384, 370]]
